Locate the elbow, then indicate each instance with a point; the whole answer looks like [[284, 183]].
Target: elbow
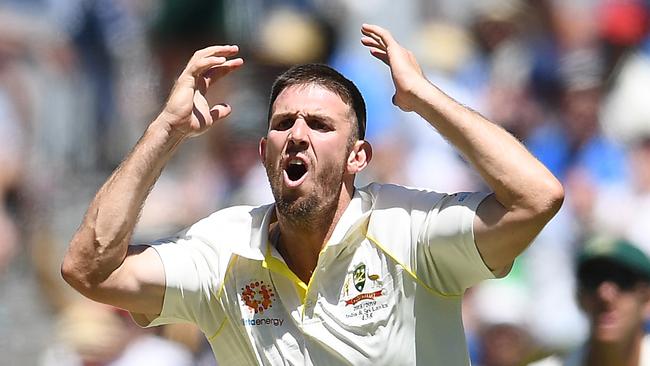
[[68, 274], [90, 261], [79, 271], [74, 275], [558, 198], [80, 280], [551, 198], [555, 196]]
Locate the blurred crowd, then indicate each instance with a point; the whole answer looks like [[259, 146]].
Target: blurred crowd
[[81, 79]]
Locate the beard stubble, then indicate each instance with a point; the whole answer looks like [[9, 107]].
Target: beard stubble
[[313, 207]]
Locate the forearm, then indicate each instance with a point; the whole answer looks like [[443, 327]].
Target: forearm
[[526, 194], [516, 177], [100, 244]]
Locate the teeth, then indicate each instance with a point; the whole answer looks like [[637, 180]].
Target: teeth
[[296, 161]]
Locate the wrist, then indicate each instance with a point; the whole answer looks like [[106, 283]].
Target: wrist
[[161, 130], [426, 96], [413, 96]]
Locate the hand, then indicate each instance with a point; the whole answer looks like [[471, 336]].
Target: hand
[[187, 110], [404, 68]]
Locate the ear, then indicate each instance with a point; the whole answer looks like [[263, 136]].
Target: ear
[[262, 149], [359, 157], [646, 308], [645, 295]]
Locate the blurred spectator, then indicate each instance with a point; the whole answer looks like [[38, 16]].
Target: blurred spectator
[[614, 292], [448, 55], [626, 111], [498, 321], [305, 38], [576, 143], [12, 127], [352, 61], [622, 26], [631, 203], [505, 345], [90, 333], [552, 316], [175, 32], [16, 113], [574, 147], [106, 38]]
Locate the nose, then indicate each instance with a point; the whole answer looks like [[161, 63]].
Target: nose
[[607, 291], [299, 133]]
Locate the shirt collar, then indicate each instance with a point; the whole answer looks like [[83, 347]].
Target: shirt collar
[[258, 235], [351, 222]]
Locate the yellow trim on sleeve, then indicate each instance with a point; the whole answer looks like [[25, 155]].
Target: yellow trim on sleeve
[[410, 272], [225, 320], [231, 263]]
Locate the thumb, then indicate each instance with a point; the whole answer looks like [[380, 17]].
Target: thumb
[[220, 111]]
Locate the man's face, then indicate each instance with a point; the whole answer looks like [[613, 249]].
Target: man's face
[[306, 149], [615, 302]]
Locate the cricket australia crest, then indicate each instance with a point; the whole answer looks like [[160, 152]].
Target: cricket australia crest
[[359, 277]]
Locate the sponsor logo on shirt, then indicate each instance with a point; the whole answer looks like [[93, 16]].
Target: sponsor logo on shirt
[[258, 296], [276, 322]]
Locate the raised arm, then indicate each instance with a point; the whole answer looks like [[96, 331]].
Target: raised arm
[[99, 262], [526, 195]]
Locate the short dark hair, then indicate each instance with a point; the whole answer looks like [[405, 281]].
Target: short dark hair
[[327, 77]]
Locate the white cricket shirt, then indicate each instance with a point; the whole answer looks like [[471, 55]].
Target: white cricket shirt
[[386, 290]]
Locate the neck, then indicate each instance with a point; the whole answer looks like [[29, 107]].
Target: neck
[[301, 241], [627, 353]]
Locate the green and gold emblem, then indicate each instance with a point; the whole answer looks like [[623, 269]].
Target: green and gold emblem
[[359, 277]]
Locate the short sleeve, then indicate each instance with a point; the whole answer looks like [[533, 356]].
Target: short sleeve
[[447, 256], [194, 274]]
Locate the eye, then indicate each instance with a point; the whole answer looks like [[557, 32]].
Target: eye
[[319, 125], [284, 124]]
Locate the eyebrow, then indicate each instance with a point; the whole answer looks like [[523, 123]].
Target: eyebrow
[[284, 115]]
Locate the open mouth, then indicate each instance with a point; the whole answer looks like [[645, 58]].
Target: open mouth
[[296, 169]]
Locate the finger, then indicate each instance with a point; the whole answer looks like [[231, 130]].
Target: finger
[[220, 111], [228, 50], [381, 55], [225, 68], [199, 122], [208, 57], [219, 71], [382, 33], [376, 49], [371, 42], [374, 36], [198, 67]]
